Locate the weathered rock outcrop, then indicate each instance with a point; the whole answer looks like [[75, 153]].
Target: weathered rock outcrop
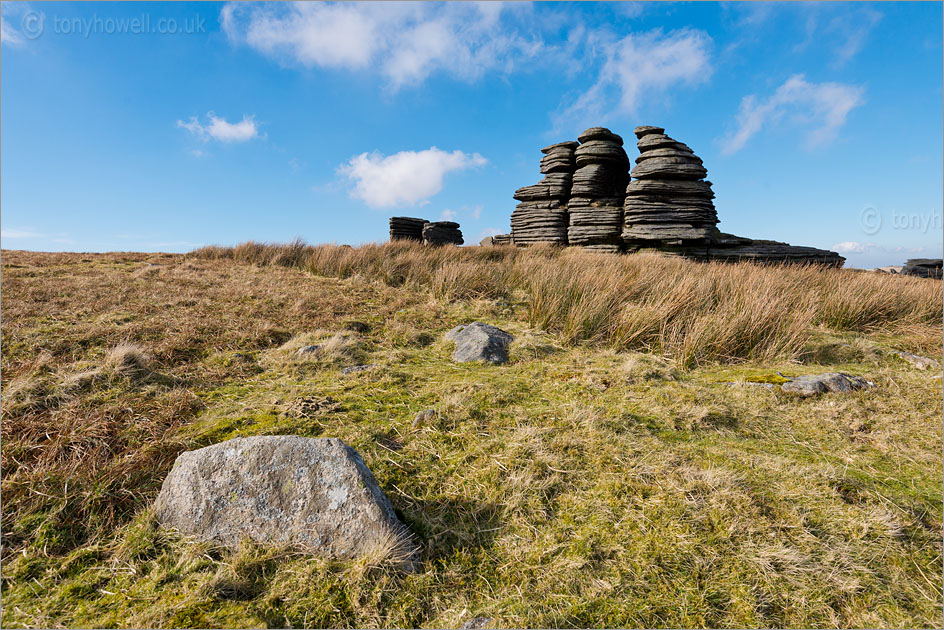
[[479, 342], [923, 267], [308, 493], [406, 228], [667, 205], [442, 233]]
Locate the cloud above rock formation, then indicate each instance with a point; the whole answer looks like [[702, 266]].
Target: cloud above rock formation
[[404, 178], [644, 66], [406, 42], [820, 108]]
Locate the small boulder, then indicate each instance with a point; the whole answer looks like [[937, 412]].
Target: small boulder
[[922, 363], [315, 494], [423, 418], [305, 351], [479, 342], [817, 384], [356, 368], [475, 623]]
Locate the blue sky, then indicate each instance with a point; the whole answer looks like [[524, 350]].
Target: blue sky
[[152, 126]]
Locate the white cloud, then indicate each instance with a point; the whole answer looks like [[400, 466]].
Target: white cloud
[[21, 233], [404, 178], [407, 42], [447, 215], [643, 65], [822, 108], [851, 247], [219, 129]]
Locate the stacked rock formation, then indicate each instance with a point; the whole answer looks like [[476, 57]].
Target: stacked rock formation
[[501, 239], [541, 217], [406, 229], [442, 233], [595, 208], [668, 205], [588, 199]]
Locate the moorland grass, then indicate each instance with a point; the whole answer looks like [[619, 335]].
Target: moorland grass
[[619, 471]]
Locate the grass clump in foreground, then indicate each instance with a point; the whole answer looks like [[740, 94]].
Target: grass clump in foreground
[[609, 475]]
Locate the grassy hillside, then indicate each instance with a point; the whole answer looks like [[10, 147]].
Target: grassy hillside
[[621, 470]]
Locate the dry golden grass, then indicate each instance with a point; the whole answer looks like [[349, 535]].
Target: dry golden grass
[[694, 312]]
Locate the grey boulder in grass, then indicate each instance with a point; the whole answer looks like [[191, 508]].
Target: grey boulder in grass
[[479, 342], [823, 383], [313, 494]]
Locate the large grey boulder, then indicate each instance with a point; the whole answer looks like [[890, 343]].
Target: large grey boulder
[[315, 494], [479, 342], [817, 384]]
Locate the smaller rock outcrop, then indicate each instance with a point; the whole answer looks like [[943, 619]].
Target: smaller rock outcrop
[[406, 229], [479, 342], [315, 494], [442, 233], [817, 384], [923, 268]]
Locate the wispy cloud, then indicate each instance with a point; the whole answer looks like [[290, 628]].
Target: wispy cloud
[[20, 233], [404, 178], [644, 65], [20, 23], [821, 108], [407, 42], [854, 247], [840, 29], [220, 129]]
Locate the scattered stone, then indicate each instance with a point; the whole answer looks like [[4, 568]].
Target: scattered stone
[[822, 383], [889, 269], [479, 342], [922, 363], [307, 350], [406, 229], [923, 268], [442, 233], [356, 368], [423, 418], [476, 623], [315, 494], [309, 406], [357, 326], [768, 386]]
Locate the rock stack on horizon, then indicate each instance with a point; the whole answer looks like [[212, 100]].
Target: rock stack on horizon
[[541, 215], [442, 233], [668, 204], [588, 199], [406, 229], [595, 208]]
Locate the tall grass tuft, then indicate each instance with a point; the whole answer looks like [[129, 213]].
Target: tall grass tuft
[[694, 312]]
